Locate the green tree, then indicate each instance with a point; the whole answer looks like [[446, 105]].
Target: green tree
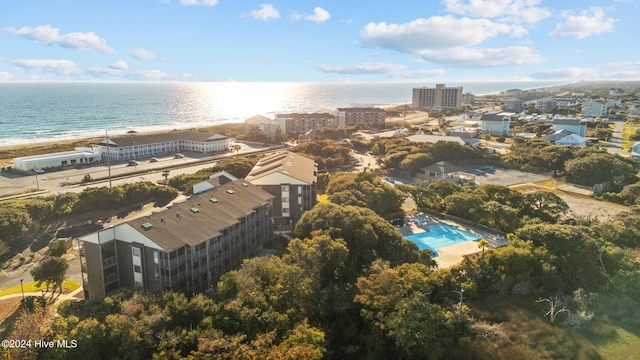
[[51, 272]]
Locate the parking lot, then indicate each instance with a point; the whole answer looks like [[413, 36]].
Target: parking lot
[[492, 175]]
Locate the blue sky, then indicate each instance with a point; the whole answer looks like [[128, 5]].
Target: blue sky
[[307, 41]]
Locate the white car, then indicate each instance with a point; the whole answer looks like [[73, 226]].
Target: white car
[[39, 171]]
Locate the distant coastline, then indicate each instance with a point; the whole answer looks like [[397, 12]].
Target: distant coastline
[[52, 112]]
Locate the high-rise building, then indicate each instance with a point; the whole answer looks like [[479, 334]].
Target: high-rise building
[[440, 97]]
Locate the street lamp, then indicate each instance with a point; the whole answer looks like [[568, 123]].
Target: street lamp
[[22, 287]]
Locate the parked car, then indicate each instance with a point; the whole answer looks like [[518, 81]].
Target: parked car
[[7, 168], [153, 159], [179, 156], [39, 171], [132, 163]]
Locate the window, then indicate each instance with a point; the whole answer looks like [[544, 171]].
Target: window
[[285, 188], [285, 199], [137, 269], [299, 189], [299, 200], [155, 257], [135, 252]]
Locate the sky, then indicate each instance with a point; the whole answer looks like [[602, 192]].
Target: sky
[[319, 41]]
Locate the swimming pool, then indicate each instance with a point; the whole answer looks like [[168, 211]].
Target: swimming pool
[[440, 235]]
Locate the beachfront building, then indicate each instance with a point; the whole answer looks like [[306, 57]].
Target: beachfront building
[[438, 98], [513, 104], [594, 108], [369, 116], [291, 179], [303, 122], [137, 146], [185, 248], [79, 156], [495, 124]]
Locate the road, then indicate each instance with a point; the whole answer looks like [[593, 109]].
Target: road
[[53, 183], [616, 139]]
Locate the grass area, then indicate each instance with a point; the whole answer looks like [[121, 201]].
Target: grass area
[[624, 345], [31, 287], [629, 129]]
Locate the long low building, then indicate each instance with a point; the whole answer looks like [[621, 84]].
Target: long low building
[[140, 146], [79, 156], [185, 248]]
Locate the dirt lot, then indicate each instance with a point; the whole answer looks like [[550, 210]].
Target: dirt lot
[[580, 205]]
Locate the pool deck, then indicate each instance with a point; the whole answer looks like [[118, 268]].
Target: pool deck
[[453, 254]]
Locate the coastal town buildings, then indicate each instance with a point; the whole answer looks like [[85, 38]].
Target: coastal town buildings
[[137, 146], [79, 156], [573, 125], [260, 124], [438, 98], [635, 151], [185, 248], [291, 179]]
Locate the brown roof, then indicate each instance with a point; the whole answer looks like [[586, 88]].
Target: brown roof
[[131, 140], [312, 115], [288, 163], [199, 218]]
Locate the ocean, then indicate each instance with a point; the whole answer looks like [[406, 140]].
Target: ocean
[[42, 111]]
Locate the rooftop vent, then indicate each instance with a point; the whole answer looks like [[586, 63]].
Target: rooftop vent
[[213, 200], [146, 226], [245, 184], [195, 210], [230, 191]]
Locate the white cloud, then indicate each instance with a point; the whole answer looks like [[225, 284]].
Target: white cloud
[[76, 40], [360, 69], [5, 76], [417, 74], [566, 73], [147, 75], [588, 22], [60, 67], [143, 54], [519, 11], [198, 2], [119, 65], [433, 33], [623, 64], [266, 12], [490, 57], [319, 16]]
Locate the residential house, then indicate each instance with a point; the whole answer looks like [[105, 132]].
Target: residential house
[[635, 151], [445, 171], [573, 125], [572, 140], [291, 179], [185, 248], [495, 124]]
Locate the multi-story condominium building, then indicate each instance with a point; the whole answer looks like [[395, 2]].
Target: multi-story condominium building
[[140, 146], [291, 179], [594, 108], [545, 105], [301, 123], [514, 92], [440, 97], [374, 117], [185, 248]]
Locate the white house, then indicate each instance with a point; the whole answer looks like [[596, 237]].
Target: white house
[[572, 140], [79, 156]]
